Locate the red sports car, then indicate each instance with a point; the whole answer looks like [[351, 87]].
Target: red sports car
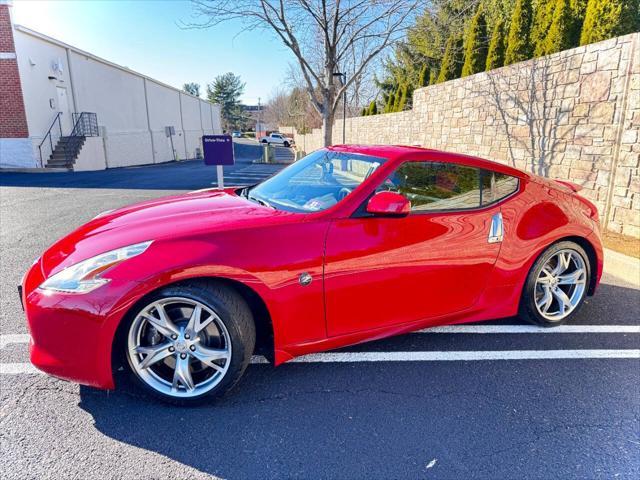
[[349, 244]]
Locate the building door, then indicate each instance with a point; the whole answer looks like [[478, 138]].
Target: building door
[[63, 107]]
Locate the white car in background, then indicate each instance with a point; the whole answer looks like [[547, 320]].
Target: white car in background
[[277, 139]]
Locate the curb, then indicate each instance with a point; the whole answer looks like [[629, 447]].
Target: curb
[[622, 266], [34, 170]]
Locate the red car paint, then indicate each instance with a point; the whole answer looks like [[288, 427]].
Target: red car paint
[[371, 277]]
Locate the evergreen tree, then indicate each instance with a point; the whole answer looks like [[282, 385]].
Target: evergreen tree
[[364, 112], [518, 44], [423, 79], [192, 88], [226, 91], [475, 57], [559, 35], [578, 10], [396, 100], [451, 66], [609, 18], [391, 98], [542, 19], [433, 77], [403, 96], [495, 56], [373, 108]]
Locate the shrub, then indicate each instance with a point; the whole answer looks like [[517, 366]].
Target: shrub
[[451, 65], [518, 43], [559, 35], [609, 18], [542, 18], [373, 108], [495, 56], [475, 57]]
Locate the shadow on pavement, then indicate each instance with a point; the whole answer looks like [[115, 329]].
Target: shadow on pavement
[[184, 175], [498, 419]]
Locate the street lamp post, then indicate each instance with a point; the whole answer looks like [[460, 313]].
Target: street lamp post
[[343, 77]]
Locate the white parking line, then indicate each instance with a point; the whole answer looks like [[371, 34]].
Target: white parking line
[[17, 369], [352, 357], [481, 329], [532, 329], [14, 338], [340, 357]]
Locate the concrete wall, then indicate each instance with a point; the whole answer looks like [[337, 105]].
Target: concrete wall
[[132, 109], [574, 115]]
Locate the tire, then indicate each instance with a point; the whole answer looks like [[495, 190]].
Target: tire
[[286, 144], [264, 141], [547, 288], [227, 331]]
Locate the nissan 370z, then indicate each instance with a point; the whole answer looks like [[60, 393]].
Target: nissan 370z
[[349, 244]]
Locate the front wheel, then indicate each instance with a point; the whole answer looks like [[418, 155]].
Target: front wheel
[[286, 144], [190, 342], [556, 286]]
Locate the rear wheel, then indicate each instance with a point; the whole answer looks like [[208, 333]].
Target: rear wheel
[[190, 342], [557, 285]]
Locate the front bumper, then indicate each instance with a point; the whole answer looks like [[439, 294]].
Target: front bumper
[[71, 335]]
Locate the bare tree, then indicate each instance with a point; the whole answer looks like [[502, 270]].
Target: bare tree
[[322, 34]]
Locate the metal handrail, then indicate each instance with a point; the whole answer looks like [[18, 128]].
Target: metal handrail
[[85, 124], [49, 136]]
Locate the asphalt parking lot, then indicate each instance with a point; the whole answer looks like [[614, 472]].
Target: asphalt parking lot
[[442, 412]]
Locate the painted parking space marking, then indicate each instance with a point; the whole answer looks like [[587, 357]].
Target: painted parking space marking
[[343, 357], [478, 329], [18, 369], [13, 338], [487, 329], [348, 357], [21, 368]]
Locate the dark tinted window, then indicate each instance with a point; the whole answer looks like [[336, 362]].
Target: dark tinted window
[[447, 186]]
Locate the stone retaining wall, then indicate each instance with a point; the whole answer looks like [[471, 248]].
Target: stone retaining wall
[[574, 115]]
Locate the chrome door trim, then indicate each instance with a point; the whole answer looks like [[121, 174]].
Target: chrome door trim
[[496, 231]]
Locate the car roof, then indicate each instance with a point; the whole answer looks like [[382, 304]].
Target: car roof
[[414, 153]]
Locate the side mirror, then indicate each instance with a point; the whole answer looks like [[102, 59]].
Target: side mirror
[[389, 204]]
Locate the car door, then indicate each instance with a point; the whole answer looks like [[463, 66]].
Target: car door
[[384, 271]]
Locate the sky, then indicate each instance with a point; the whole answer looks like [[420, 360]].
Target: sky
[[146, 36]]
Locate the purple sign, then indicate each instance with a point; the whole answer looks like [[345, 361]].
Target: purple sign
[[218, 149]]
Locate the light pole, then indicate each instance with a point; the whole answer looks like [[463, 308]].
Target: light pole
[[343, 77], [259, 119]]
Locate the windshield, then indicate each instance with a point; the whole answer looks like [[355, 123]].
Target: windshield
[[317, 182]]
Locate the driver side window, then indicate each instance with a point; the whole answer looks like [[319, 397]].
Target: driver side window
[[435, 186]]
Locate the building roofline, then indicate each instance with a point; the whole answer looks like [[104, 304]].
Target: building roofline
[[62, 44]]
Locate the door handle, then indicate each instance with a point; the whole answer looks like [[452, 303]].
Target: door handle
[[496, 231]]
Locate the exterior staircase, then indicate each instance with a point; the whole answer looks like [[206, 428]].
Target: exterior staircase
[[66, 152], [61, 151]]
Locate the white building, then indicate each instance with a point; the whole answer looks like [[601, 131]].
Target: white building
[[118, 117]]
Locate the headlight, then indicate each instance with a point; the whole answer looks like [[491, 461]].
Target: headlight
[[86, 275]]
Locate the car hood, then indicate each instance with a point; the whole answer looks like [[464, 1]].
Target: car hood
[[169, 217]]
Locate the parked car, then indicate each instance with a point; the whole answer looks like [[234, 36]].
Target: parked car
[[349, 244], [277, 139], [236, 134]]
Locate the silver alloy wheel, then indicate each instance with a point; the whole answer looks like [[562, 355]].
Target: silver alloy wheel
[[560, 285], [179, 347]]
